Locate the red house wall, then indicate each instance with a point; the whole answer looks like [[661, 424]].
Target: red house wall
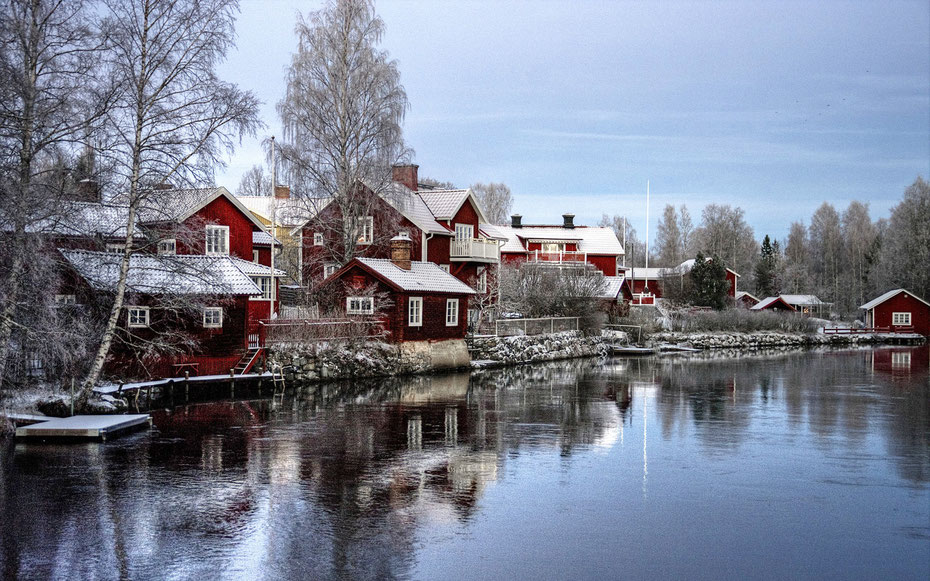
[[223, 213], [465, 215], [264, 255], [731, 290], [903, 303], [438, 249], [605, 264]]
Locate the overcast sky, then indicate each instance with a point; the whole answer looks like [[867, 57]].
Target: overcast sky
[[771, 106]]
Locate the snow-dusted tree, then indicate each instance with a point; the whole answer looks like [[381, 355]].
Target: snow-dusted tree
[[669, 247], [434, 184], [174, 118], [544, 291], [342, 114], [254, 182], [495, 199], [797, 276], [48, 55], [633, 248], [858, 238], [709, 282], [827, 251], [905, 253], [725, 234]]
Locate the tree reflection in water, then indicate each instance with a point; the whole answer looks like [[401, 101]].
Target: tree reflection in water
[[358, 479]]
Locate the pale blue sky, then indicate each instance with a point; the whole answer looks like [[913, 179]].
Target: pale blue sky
[[771, 106]]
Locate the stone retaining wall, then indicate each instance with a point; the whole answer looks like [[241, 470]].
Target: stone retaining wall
[[527, 349], [762, 339]]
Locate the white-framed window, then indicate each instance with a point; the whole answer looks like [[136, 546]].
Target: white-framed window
[[116, 248], [360, 305], [213, 317], [445, 267], [138, 317], [264, 284], [329, 269], [318, 239], [217, 241], [167, 246], [552, 246], [482, 286], [452, 312], [255, 256], [415, 311], [900, 319], [464, 232], [363, 229], [65, 300]]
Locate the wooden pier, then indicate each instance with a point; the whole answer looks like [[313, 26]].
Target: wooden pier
[[82, 427]]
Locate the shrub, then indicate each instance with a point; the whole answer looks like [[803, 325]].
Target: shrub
[[741, 320]]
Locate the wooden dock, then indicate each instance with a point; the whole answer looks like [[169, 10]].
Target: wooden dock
[[82, 427]]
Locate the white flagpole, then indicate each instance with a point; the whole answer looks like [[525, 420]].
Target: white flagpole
[[647, 233], [273, 207]]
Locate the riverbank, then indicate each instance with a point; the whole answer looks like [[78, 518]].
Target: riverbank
[[762, 339]]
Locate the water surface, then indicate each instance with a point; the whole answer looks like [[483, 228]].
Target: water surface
[[797, 465]]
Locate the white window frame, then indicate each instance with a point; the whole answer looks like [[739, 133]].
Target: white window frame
[[328, 269], [901, 319], [255, 256], [318, 239], [167, 247], [415, 312], [213, 317], [140, 314], [360, 305], [368, 231], [452, 312], [264, 284], [482, 286], [65, 300], [222, 240]]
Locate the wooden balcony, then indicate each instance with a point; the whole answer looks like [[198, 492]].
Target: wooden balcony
[[563, 257], [474, 250]]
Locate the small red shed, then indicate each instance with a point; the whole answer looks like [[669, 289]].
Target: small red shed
[[772, 304], [899, 311]]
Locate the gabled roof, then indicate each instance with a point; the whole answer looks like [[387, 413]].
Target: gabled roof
[[741, 294], [262, 238], [288, 213], [445, 204], [178, 205], [255, 269], [888, 295], [613, 287], [491, 231], [412, 207], [157, 275], [806, 300], [86, 219], [422, 276], [768, 302], [590, 239]]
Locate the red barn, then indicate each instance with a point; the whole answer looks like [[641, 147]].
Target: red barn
[[422, 301], [899, 311]]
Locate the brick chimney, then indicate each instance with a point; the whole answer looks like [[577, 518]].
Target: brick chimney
[[282, 192], [515, 221], [568, 221], [400, 250], [406, 175]]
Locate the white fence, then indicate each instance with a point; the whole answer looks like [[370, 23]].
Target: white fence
[[510, 327]]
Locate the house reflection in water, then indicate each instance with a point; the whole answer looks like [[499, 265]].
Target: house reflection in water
[[899, 362]]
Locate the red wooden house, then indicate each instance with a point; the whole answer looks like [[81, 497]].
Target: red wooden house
[[898, 311], [196, 306], [563, 245], [773, 304], [644, 285], [418, 300]]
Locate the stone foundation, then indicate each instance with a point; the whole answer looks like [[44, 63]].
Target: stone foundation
[[528, 349]]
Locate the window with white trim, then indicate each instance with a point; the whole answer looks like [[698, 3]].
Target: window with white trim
[[900, 319], [65, 300], [264, 284], [318, 239], [217, 241], [360, 305], [482, 286], [329, 269], [363, 228], [138, 317], [255, 256], [213, 317], [168, 246], [415, 311], [452, 312]]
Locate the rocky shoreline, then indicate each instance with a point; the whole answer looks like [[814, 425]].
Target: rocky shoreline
[[763, 339]]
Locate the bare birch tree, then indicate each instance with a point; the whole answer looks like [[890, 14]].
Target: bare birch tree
[[905, 252], [797, 259], [858, 238], [342, 114], [725, 234], [827, 251], [254, 182], [495, 199], [173, 118], [48, 53], [668, 239]]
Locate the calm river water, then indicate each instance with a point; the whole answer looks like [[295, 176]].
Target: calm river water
[[783, 466]]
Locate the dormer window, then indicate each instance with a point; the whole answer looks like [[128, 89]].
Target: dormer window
[[167, 247], [217, 241]]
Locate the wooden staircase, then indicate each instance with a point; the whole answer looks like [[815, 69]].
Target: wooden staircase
[[248, 361]]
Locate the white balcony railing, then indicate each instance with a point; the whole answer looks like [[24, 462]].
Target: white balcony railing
[[558, 257], [475, 249]]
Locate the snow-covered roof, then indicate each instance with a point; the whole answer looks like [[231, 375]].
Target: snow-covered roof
[[177, 205], [154, 275], [807, 300], [86, 219], [741, 294], [590, 239], [613, 286], [491, 231], [254, 268], [651, 273], [766, 302], [263, 238], [444, 204], [422, 276], [892, 293], [412, 207]]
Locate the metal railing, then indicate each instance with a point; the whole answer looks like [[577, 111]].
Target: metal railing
[[475, 248], [558, 257], [539, 326]]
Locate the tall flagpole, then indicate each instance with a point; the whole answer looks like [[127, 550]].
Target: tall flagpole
[[647, 234], [273, 208]]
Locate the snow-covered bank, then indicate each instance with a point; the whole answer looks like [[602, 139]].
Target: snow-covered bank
[[487, 351], [761, 339]]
